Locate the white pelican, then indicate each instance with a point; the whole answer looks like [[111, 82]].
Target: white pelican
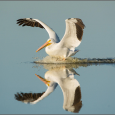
[[54, 47], [70, 87]]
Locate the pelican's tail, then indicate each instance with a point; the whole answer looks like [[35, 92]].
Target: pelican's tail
[[71, 52]]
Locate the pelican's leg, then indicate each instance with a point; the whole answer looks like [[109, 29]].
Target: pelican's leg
[[58, 59], [61, 59]]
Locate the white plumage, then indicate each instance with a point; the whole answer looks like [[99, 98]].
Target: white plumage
[[54, 47]]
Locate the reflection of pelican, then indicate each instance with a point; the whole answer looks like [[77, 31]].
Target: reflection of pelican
[[56, 48], [69, 86]]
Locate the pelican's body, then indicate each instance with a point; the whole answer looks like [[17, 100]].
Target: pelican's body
[[55, 50], [54, 47]]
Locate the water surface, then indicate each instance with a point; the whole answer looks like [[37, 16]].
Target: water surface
[[96, 83]]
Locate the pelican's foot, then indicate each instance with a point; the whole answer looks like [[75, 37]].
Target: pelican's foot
[[64, 59]]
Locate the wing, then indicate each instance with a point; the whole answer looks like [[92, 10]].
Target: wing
[[49, 90], [37, 23], [28, 97], [73, 33]]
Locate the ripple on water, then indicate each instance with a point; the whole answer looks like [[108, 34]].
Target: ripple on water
[[73, 60]]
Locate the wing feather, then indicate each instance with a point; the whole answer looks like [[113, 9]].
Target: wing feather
[[28, 97], [73, 33], [37, 23], [29, 22]]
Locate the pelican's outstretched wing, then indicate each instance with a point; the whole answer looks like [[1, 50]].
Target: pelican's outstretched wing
[[28, 97], [73, 33], [37, 23]]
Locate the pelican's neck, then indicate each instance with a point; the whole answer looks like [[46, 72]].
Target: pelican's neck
[[49, 30], [49, 90]]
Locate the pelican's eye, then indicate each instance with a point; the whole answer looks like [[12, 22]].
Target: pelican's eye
[[49, 40]]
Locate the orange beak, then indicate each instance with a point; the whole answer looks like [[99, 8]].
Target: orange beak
[[44, 45], [43, 80]]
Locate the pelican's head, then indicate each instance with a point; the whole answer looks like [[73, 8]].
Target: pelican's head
[[49, 42]]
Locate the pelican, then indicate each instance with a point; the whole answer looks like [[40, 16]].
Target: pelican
[[54, 47], [70, 87]]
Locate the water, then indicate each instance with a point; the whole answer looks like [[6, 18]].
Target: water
[[94, 81]]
